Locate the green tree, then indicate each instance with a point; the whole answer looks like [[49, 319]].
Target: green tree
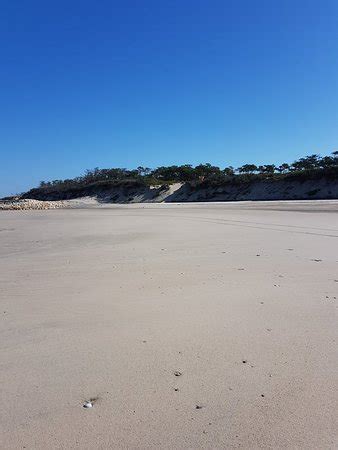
[[206, 170], [307, 163], [283, 168], [267, 168], [229, 171], [143, 171], [247, 168]]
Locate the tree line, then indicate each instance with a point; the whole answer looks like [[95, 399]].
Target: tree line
[[188, 173]]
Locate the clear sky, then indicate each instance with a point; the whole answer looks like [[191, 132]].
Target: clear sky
[[158, 82]]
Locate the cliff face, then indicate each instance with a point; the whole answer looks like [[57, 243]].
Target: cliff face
[[264, 190], [274, 189]]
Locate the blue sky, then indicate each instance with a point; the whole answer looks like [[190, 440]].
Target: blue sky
[[159, 82]]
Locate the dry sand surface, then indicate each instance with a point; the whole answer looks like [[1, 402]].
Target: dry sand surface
[[107, 303]]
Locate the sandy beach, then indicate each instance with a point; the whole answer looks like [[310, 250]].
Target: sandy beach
[[187, 326]]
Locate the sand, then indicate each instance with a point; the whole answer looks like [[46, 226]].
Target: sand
[[106, 304]]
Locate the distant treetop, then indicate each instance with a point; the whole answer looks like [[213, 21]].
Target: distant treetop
[[187, 173]]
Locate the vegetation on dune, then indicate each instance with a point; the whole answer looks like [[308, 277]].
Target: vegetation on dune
[[96, 180]]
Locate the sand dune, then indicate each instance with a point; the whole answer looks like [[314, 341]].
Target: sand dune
[[184, 325]]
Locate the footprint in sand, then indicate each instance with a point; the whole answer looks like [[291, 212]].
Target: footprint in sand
[[89, 403]]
